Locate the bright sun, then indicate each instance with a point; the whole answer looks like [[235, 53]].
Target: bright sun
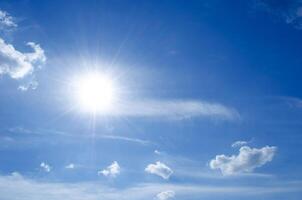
[[94, 92]]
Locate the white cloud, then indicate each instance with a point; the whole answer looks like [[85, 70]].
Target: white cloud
[[246, 161], [128, 139], [70, 166], [239, 143], [19, 65], [16, 64], [157, 152], [17, 187], [159, 169], [169, 194], [112, 170], [45, 167], [174, 109], [6, 21]]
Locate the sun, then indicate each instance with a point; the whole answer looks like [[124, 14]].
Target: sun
[[94, 92]]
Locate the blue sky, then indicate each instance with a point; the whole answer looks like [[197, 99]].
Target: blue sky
[[204, 100]]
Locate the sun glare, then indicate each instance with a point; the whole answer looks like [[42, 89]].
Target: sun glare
[[94, 92]]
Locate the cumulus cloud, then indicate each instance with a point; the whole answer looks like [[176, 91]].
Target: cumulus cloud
[[246, 161], [239, 143], [112, 170], [45, 167], [16, 64], [159, 169], [169, 194], [289, 11], [174, 109], [6, 21]]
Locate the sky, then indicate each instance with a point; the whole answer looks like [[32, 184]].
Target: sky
[[150, 100]]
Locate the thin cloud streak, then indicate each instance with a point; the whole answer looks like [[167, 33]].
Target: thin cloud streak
[[174, 109]]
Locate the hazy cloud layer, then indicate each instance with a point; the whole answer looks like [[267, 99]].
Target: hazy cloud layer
[[17, 187]]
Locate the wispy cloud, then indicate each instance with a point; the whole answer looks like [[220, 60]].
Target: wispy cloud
[[239, 143], [246, 161], [289, 11], [127, 139], [112, 170], [174, 109], [159, 169], [6, 20]]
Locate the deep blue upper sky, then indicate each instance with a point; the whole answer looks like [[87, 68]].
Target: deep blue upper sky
[[193, 78]]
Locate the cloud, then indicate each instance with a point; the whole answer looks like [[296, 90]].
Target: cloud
[[239, 143], [112, 170], [45, 167], [18, 187], [169, 194], [128, 139], [18, 65], [246, 161], [70, 166], [6, 21], [289, 11], [174, 109], [157, 152], [159, 169]]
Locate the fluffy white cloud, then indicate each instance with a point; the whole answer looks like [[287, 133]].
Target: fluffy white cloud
[[6, 21], [17, 64], [45, 167], [239, 143], [159, 169], [165, 195], [246, 161], [112, 170]]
